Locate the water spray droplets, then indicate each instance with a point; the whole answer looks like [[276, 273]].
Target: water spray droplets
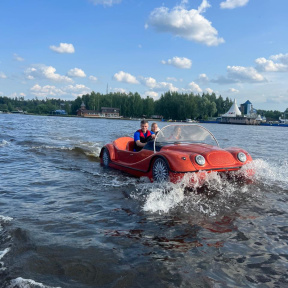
[[209, 194]]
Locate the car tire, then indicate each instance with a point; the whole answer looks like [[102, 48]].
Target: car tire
[[160, 170], [105, 157]]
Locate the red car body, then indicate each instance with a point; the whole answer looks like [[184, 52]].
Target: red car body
[[169, 159]]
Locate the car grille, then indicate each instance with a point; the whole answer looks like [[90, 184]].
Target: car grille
[[220, 158]]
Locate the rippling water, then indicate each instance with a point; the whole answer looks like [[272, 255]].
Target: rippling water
[[65, 221]]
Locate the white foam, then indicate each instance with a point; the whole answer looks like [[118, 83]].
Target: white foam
[[270, 173], [4, 252], [51, 147], [94, 151], [3, 143], [26, 283], [159, 200], [209, 194], [5, 219]]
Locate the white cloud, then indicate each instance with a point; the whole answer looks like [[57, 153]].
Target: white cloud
[[240, 74], [105, 2], [76, 90], [187, 24], [269, 66], [276, 63], [203, 78], [119, 90], [172, 79], [152, 94], [159, 86], [233, 90], [76, 72], [17, 57], [2, 75], [13, 95], [63, 48], [204, 5], [50, 90], [244, 74], [45, 72], [282, 58], [166, 86], [93, 78], [47, 90], [183, 63], [125, 77], [195, 87], [149, 82], [209, 90], [231, 4]]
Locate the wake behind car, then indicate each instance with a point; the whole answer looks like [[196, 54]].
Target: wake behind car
[[177, 150]]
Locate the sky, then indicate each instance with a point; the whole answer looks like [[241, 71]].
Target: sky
[[63, 49]]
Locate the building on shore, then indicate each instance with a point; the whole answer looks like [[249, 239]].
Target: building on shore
[[247, 117], [106, 112]]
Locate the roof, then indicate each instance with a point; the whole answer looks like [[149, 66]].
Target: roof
[[233, 111]]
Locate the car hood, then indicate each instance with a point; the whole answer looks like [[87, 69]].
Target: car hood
[[215, 156]]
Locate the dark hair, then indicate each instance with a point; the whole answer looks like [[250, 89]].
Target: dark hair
[[144, 121]]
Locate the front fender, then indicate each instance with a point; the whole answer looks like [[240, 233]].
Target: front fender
[[177, 162], [111, 150]]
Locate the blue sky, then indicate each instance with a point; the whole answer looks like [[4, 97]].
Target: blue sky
[[62, 49]]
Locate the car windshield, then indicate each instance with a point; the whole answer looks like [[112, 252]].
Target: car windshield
[[185, 133]]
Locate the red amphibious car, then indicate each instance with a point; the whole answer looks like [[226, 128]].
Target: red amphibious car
[[176, 150]]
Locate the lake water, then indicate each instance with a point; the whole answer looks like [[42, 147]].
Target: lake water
[[65, 221]]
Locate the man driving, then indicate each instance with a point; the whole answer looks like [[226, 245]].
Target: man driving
[[142, 136]]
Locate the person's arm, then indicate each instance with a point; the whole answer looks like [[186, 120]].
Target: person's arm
[[137, 140], [140, 144]]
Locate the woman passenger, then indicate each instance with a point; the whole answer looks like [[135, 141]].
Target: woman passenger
[[154, 128]]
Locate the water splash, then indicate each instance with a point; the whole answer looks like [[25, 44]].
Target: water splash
[[213, 194], [4, 252], [5, 219], [27, 283], [269, 173], [3, 143]]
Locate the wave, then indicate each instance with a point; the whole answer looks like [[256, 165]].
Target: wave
[[215, 194], [4, 252], [26, 283], [5, 219], [4, 143], [88, 148], [269, 173]]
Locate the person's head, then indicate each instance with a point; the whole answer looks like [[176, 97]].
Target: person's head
[[144, 125], [177, 130], [154, 127]]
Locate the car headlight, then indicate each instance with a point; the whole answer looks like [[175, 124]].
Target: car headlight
[[242, 157], [200, 160]]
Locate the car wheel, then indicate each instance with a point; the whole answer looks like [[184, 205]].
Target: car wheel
[[160, 170], [105, 157]]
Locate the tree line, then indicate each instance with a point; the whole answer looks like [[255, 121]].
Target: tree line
[[171, 105]]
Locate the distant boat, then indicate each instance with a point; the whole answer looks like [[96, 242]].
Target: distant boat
[[17, 112], [283, 121]]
